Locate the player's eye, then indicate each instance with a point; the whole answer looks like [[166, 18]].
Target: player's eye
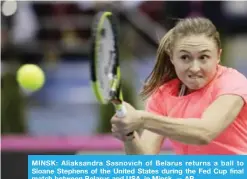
[[204, 57], [185, 58]]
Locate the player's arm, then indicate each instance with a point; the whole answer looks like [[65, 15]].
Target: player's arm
[[214, 120], [145, 142]]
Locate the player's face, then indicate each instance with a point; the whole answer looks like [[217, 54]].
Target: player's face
[[195, 59]]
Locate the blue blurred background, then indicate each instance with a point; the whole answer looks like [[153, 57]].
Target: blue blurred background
[[56, 36]]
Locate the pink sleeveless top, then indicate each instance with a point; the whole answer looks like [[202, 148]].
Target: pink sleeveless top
[[232, 140]]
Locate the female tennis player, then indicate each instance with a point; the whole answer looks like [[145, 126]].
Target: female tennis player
[[200, 105]]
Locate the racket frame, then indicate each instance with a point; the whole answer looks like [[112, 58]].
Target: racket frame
[[115, 93]]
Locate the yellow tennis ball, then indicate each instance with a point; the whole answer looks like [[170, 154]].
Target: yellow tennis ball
[[30, 77]]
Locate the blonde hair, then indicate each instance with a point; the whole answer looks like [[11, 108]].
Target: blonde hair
[[163, 70]]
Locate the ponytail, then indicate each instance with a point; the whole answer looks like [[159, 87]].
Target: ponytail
[[163, 70]]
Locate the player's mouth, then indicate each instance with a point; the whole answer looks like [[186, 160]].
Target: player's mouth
[[194, 76]]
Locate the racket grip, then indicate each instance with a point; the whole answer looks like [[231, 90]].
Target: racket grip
[[121, 112]]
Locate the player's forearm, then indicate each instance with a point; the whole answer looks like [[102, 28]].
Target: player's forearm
[[189, 131], [134, 147]]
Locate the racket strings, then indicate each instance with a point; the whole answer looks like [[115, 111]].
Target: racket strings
[[107, 65]]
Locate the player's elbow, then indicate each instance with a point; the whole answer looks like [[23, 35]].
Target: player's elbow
[[202, 140], [206, 136]]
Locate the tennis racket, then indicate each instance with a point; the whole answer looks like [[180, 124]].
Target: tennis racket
[[105, 69]]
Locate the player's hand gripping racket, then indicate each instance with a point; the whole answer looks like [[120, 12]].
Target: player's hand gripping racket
[[105, 69]]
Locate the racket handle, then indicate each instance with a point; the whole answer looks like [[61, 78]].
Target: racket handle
[[121, 112]]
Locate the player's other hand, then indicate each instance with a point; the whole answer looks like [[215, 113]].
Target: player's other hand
[[131, 122]]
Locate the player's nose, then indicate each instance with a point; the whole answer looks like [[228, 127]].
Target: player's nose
[[195, 67]]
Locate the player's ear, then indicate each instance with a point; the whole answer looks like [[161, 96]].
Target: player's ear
[[219, 55]]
